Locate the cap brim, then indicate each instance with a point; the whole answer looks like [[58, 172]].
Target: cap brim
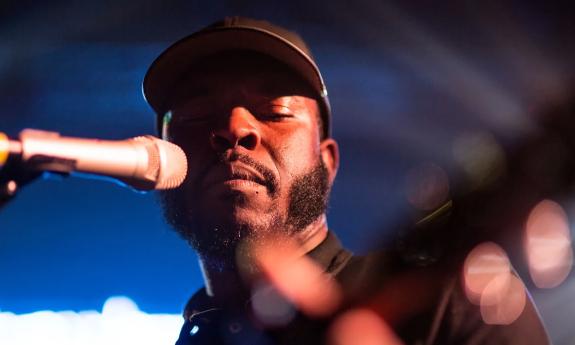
[[173, 64]]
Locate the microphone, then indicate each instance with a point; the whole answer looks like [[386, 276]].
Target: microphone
[[144, 162]]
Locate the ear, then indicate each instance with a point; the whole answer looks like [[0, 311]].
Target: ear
[[330, 155]]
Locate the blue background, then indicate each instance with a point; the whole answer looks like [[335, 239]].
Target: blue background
[[405, 80]]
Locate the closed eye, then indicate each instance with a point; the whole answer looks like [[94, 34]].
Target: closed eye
[[273, 117], [274, 112]]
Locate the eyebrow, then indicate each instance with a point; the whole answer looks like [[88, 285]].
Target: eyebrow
[[207, 92]]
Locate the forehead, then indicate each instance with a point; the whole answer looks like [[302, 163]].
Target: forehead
[[239, 75]]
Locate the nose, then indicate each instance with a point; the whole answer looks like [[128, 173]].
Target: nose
[[238, 129]]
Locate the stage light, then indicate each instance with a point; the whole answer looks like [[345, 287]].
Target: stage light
[[119, 323]]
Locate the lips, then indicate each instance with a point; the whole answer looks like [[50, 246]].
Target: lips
[[229, 174], [241, 175]]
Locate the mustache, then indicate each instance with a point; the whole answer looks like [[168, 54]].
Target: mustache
[[270, 180]]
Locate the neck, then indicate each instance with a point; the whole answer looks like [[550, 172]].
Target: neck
[[230, 282]]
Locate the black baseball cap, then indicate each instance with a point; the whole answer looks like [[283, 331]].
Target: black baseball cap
[[231, 34]]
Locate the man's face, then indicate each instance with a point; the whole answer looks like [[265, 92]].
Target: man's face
[[251, 131]]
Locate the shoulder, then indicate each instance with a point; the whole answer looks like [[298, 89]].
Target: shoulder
[[461, 322], [200, 301], [427, 303]]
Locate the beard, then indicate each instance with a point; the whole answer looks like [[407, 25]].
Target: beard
[[308, 196]]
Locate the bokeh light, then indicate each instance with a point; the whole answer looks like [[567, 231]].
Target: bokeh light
[[270, 307], [480, 157], [548, 244], [503, 300], [482, 265], [489, 282], [427, 186]]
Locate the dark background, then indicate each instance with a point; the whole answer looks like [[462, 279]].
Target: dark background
[[407, 81]]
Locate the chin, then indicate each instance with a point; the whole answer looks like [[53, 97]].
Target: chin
[[246, 220], [238, 207]]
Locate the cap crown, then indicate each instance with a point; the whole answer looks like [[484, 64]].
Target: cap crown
[[228, 35]]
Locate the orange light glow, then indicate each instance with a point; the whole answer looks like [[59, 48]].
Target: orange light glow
[[361, 327], [548, 244], [298, 278]]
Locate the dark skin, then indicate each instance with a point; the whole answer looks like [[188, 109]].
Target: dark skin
[[251, 130]]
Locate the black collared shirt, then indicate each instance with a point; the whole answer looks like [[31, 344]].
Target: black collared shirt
[[424, 305], [208, 323]]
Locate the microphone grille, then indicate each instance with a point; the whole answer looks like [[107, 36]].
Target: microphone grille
[[173, 165]]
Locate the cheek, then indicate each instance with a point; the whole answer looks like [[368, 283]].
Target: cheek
[[198, 152], [187, 135], [297, 155]]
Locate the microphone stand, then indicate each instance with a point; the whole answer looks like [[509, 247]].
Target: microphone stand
[[13, 176], [7, 192]]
